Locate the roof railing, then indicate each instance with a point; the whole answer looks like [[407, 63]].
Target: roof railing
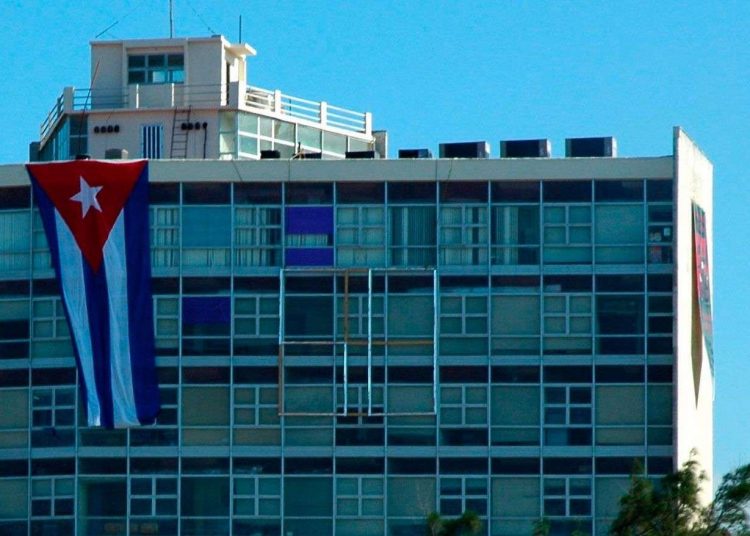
[[140, 96]]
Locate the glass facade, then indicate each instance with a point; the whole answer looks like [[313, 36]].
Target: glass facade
[[346, 357]]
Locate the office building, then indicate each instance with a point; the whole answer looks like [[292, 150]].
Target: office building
[[344, 346]]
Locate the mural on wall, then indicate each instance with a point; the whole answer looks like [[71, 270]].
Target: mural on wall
[[703, 280]]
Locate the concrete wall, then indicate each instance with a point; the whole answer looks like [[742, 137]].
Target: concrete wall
[[130, 124], [694, 378]]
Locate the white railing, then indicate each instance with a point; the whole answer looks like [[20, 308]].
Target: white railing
[[209, 95], [314, 111]]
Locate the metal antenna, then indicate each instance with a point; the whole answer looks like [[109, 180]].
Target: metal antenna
[[239, 40], [171, 20]]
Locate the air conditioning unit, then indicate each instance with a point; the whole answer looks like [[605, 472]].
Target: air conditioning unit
[[541, 148], [414, 153], [591, 147], [471, 149]]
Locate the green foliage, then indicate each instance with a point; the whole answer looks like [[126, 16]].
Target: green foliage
[[673, 508], [464, 525]]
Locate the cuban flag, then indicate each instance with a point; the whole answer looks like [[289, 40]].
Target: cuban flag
[[95, 216]]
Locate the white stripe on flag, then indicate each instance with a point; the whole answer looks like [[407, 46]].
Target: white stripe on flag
[[123, 399], [74, 289]]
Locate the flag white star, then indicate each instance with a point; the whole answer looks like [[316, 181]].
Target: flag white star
[[87, 197]]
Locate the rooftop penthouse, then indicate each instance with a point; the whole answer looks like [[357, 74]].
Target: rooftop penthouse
[[189, 98]]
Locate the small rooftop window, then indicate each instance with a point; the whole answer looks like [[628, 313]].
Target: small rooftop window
[[156, 68]]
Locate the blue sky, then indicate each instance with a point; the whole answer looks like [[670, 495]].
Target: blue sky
[[456, 71]]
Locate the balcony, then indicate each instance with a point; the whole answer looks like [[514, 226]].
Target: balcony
[[236, 95]]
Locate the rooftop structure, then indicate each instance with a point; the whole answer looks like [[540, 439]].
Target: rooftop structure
[[189, 98]]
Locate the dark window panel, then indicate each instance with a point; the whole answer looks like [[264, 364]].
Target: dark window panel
[[309, 285], [153, 465], [254, 285], [54, 466], [308, 375], [45, 287], [567, 374], [619, 283], [463, 436], [618, 465], [309, 193], [165, 285], [360, 193], [14, 329], [15, 288], [359, 374], [102, 466], [515, 466], [308, 466], [212, 466], [256, 375], [257, 193], [619, 374], [53, 376], [14, 350], [470, 283], [15, 197], [207, 347], [613, 190], [359, 435], [365, 466], [660, 283], [411, 466], [660, 373], [463, 374], [167, 375], [567, 191], [14, 378], [619, 315], [567, 466], [659, 190], [406, 284], [463, 192], [164, 193], [528, 283], [526, 191], [567, 283], [463, 466], [660, 465], [206, 193], [515, 374], [256, 466], [205, 375], [205, 285], [410, 375], [411, 192], [358, 284]]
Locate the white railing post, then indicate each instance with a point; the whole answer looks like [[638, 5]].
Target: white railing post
[[323, 113], [277, 101], [67, 101], [368, 123]]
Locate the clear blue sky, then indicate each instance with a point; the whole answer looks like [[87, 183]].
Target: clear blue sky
[[459, 71]]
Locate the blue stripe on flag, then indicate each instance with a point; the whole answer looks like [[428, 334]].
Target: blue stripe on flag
[[140, 313], [97, 302]]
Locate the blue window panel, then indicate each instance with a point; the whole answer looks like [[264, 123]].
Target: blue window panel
[[309, 220], [309, 256]]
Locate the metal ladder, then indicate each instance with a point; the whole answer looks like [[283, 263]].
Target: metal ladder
[[179, 143]]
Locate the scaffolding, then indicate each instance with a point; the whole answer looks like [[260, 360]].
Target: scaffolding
[[341, 343]]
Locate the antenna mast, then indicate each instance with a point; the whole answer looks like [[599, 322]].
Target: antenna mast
[[171, 20]]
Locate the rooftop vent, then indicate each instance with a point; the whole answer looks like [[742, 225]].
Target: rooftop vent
[[469, 149], [270, 154], [525, 148], [591, 147], [360, 154], [414, 153], [308, 156], [116, 154]]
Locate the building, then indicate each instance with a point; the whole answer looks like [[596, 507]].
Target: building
[[345, 346]]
